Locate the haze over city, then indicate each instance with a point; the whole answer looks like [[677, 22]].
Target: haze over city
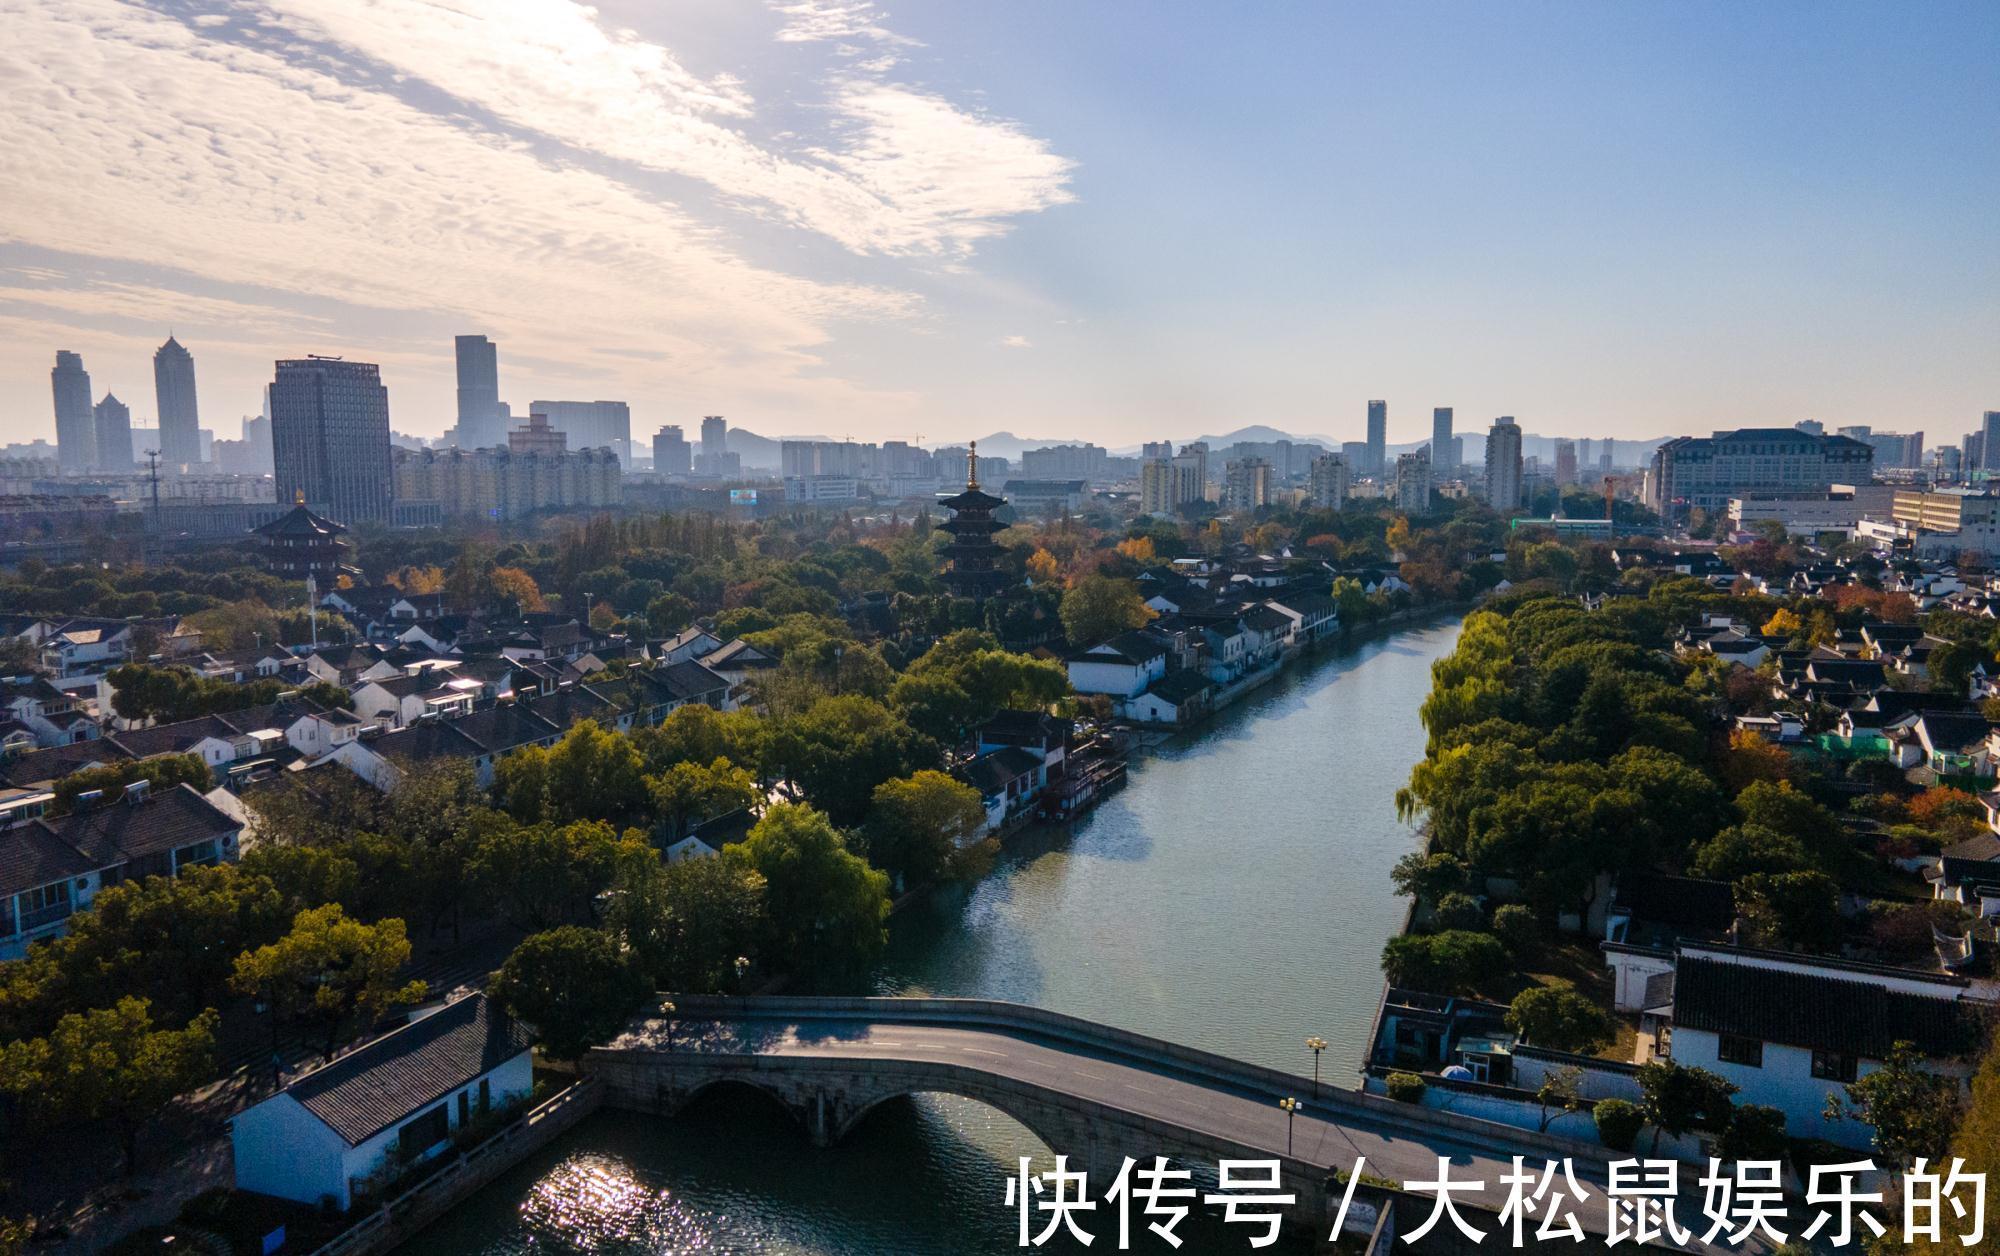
[[1115, 222]]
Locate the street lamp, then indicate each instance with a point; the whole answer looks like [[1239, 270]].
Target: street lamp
[[1291, 1107], [1315, 1044]]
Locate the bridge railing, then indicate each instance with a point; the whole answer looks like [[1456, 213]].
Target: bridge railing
[[1505, 1140]]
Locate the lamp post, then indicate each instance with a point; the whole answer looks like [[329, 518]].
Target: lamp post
[[1291, 1107], [1315, 1044]]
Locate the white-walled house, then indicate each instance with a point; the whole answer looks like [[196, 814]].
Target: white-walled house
[[396, 1101], [1791, 1031], [1121, 667]]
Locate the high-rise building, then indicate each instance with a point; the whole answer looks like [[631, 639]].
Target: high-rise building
[[1503, 464], [1413, 482], [180, 418], [112, 424], [1246, 484], [1157, 449], [1328, 481], [508, 483], [672, 455], [481, 422], [1989, 440], [1565, 463], [257, 435], [1168, 486], [1706, 471], [1378, 437], [591, 424], [1065, 462], [1972, 455], [1444, 459], [537, 436], [76, 418], [714, 435], [330, 437]]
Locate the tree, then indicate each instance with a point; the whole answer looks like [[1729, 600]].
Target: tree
[[1518, 928], [1443, 963], [918, 824], [1783, 623], [843, 747], [110, 779], [1680, 1098], [511, 584], [593, 773], [1618, 1123], [543, 875], [1561, 1091], [109, 1064], [1755, 1132], [1097, 608], [691, 925], [573, 985], [1429, 876], [687, 793], [1458, 910], [1913, 1111], [330, 973], [826, 909], [668, 614], [1751, 759], [1792, 911], [1560, 1019], [1742, 850]]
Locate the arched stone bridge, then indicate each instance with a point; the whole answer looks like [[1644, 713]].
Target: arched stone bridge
[[1090, 1092]]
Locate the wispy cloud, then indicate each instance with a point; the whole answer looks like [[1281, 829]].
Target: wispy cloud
[[1015, 342], [816, 21]]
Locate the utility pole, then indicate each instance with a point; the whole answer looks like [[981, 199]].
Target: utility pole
[[153, 474]]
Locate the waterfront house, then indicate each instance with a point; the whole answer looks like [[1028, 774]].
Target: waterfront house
[[1122, 667], [1177, 698], [1791, 1031], [51, 867], [1009, 780], [384, 1108]]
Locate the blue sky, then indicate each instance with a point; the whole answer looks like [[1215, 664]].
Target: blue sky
[[1104, 220]]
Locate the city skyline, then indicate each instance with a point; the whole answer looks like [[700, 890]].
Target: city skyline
[[838, 220]]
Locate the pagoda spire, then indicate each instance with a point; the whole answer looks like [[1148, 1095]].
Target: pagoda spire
[[972, 467]]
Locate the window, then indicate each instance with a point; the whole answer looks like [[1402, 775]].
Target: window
[[485, 1096], [1731, 1049], [464, 1106], [424, 1133], [1833, 1067]]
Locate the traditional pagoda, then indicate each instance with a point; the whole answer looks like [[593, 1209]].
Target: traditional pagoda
[[300, 544], [973, 552]]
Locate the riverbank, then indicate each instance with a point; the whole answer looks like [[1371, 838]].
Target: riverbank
[[1233, 897]]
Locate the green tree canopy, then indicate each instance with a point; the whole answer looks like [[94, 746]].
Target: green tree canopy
[[918, 824], [330, 974], [573, 985], [826, 909], [1096, 608]]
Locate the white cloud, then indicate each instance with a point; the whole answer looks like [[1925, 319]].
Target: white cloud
[[133, 138], [814, 21], [1015, 342], [905, 173]]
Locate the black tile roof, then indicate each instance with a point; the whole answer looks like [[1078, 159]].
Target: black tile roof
[[400, 1073], [990, 772], [1820, 1012], [113, 832], [52, 764]]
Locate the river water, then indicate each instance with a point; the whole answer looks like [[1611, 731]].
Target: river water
[[1234, 897]]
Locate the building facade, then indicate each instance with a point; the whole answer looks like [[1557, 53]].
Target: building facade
[[505, 484], [1503, 464], [1413, 482], [591, 424], [180, 416], [1444, 447], [1246, 484], [481, 423], [76, 419], [1328, 482], [672, 455], [330, 437], [111, 419], [1378, 437], [1706, 471]]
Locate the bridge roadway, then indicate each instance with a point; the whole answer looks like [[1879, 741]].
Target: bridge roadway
[[1088, 1091]]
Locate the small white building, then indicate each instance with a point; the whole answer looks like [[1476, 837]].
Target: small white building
[[1122, 667], [395, 1102]]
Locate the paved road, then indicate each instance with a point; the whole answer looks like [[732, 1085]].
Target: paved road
[[1332, 1130]]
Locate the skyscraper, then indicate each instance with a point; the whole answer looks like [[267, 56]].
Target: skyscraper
[[671, 453], [76, 421], [112, 421], [714, 435], [1246, 484], [1378, 436], [180, 422], [481, 423], [1989, 434], [1444, 458], [1503, 464], [330, 437], [1565, 463], [1413, 481]]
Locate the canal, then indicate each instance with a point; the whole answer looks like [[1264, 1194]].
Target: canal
[[1234, 896]]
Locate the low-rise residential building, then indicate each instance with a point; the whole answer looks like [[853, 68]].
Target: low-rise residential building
[[385, 1108]]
